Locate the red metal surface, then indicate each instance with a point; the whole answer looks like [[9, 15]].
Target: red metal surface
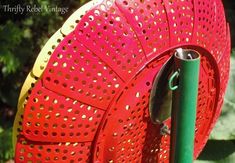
[[55, 118], [30, 151], [91, 104]]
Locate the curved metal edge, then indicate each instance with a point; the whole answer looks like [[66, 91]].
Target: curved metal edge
[[159, 111], [71, 23], [31, 79], [42, 60], [45, 54]]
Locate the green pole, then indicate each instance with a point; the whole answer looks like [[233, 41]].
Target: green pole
[[184, 84]]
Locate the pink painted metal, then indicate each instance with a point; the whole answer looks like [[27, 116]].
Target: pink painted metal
[[91, 104]]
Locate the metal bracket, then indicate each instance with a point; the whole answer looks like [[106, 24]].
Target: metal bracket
[[160, 96]]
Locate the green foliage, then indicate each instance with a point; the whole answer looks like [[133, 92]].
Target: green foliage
[[233, 52], [10, 38], [6, 151], [224, 130]]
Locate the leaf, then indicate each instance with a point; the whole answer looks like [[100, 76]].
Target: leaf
[[10, 62]]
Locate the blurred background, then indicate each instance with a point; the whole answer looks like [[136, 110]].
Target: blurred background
[[22, 35]]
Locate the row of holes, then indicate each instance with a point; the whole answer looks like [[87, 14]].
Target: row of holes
[[55, 125], [65, 118], [150, 45], [111, 22], [82, 70], [69, 155], [62, 134], [55, 158]]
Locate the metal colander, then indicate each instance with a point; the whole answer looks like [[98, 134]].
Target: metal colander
[[87, 96]]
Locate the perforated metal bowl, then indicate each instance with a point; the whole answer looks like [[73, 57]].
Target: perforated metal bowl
[[87, 96]]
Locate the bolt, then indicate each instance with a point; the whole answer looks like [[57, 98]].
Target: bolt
[[165, 130]]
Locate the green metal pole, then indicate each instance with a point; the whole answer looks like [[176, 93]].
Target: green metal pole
[[184, 83]]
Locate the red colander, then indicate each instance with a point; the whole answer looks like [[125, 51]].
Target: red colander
[[87, 96]]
